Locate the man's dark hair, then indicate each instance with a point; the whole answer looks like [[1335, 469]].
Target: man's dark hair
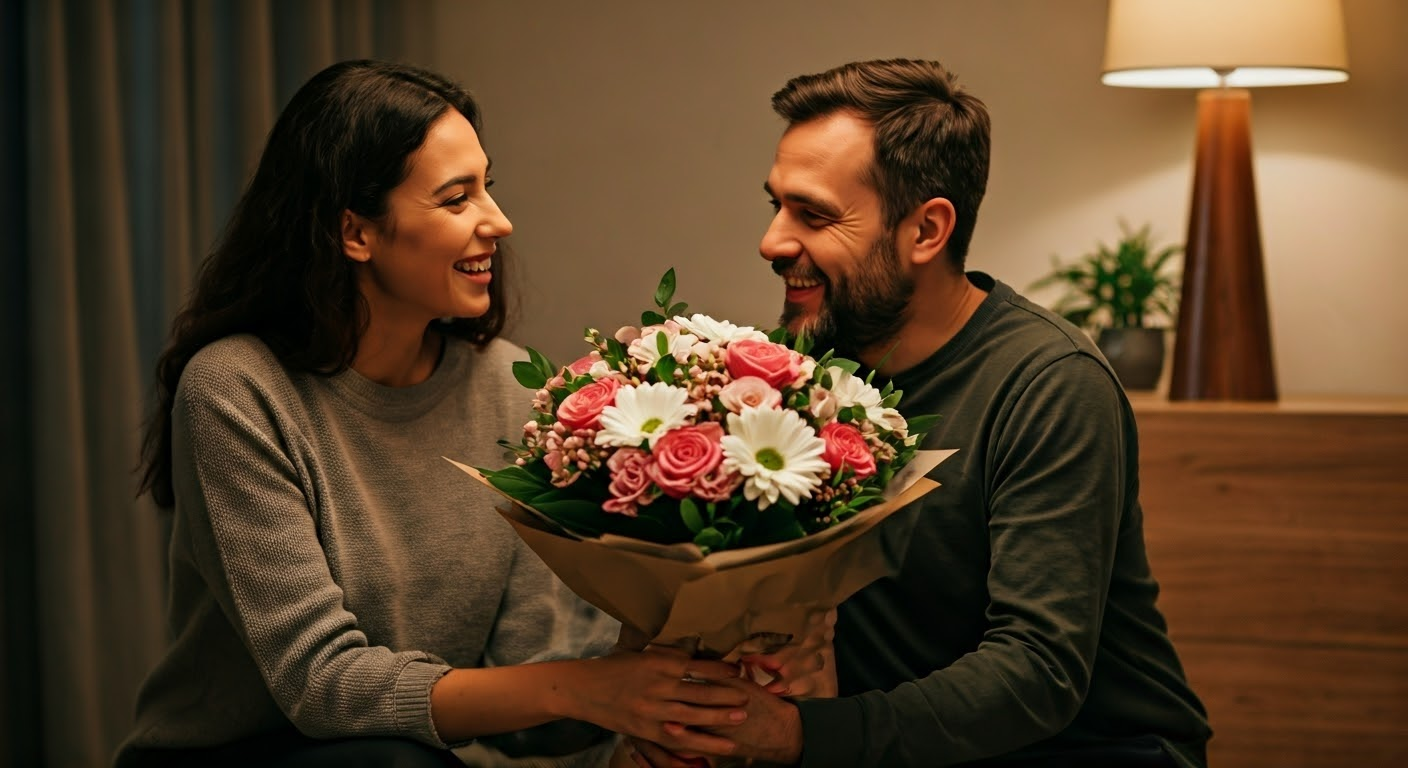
[[931, 136]]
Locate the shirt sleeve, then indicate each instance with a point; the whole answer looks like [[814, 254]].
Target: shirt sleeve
[[1056, 485], [241, 495]]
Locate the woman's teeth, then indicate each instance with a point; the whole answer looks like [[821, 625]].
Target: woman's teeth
[[473, 267]]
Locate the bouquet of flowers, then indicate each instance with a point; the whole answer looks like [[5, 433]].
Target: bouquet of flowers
[[691, 447]]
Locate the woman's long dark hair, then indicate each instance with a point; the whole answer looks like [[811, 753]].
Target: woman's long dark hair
[[278, 271]]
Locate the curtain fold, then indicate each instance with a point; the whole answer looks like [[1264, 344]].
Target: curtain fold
[[142, 121]]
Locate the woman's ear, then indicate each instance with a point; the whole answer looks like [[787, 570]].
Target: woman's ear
[[356, 237], [934, 221]]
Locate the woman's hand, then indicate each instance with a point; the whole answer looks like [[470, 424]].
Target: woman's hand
[[637, 693], [804, 667]]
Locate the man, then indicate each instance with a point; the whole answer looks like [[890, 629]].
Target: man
[[1021, 629]]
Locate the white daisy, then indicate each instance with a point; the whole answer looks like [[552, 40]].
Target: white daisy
[[643, 414], [722, 331], [777, 453]]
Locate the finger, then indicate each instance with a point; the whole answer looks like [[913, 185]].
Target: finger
[[666, 650], [651, 755], [703, 717], [688, 740], [714, 694], [702, 669]]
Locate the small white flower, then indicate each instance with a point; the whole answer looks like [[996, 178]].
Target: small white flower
[[777, 453], [721, 331], [643, 414], [598, 369], [646, 349], [849, 390]]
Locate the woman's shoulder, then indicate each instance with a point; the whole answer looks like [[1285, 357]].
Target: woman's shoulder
[[501, 350], [238, 362]]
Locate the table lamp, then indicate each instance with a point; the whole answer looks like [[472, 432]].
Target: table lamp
[[1222, 350]]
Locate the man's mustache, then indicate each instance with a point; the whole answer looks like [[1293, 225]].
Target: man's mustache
[[785, 268]]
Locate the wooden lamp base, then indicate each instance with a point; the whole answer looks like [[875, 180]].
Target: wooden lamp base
[[1223, 347]]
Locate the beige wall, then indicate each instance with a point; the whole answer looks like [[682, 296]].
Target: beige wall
[[632, 135]]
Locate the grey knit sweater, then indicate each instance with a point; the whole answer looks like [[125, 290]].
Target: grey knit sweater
[[327, 566]]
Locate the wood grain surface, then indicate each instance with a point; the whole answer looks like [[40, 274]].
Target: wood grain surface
[[1279, 535]]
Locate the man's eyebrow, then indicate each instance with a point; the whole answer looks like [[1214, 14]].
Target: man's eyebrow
[[822, 207]]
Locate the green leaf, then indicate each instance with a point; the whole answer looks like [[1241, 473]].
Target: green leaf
[[921, 424], [651, 317], [677, 310], [689, 513], [666, 289], [777, 335], [849, 366], [528, 374], [615, 353], [709, 540], [516, 481], [665, 369], [542, 363]]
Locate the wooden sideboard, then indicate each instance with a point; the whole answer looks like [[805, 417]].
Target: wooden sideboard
[[1279, 535]]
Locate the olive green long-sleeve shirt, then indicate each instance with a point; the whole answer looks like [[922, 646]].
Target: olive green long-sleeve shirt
[[1024, 616]]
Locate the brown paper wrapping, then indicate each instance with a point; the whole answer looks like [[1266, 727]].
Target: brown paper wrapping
[[726, 603]]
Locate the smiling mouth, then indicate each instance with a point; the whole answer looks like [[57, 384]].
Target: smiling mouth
[[800, 283], [474, 266]]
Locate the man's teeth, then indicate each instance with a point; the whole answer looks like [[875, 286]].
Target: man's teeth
[[473, 267], [798, 282]]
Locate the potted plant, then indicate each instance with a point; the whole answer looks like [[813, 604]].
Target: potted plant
[[1125, 295]]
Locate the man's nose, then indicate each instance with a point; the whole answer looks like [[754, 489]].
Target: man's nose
[[778, 243]]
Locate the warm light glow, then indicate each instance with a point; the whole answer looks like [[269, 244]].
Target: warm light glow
[[1188, 43], [1206, 77]]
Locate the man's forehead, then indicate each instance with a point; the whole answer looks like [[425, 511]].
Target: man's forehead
[[825, 157]]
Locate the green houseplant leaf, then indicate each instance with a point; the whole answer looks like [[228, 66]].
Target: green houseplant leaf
[[1130, 284]]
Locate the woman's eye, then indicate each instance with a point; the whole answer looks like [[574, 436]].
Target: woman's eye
[[456, 201], [488, 183]]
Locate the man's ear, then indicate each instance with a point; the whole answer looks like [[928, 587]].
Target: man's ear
[[356, 237], [931, 224]]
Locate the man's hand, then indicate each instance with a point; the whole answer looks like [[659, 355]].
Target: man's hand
[[771, 733], [804, 667]]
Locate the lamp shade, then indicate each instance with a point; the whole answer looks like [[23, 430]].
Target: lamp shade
[[1238, 43]]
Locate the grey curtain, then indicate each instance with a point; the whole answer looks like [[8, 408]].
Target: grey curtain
[[137, 124]]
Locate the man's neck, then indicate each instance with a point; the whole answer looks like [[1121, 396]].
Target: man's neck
[[939, 309]]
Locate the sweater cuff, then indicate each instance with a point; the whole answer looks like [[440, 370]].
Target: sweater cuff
[[833, 732], [412, 701]]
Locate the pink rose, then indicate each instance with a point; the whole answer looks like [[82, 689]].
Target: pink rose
[[845, 447], [683, 454], [582, 409], [584, 363], [749, 392], [630, 485], [773, 363], [717, 485]]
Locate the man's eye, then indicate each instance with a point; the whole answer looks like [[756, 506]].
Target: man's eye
[[776, 206], [814, 219]]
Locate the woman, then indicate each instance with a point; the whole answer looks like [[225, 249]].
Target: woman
[[331, 576]]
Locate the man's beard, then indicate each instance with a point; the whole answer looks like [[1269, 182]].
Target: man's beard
[[860, 310]]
